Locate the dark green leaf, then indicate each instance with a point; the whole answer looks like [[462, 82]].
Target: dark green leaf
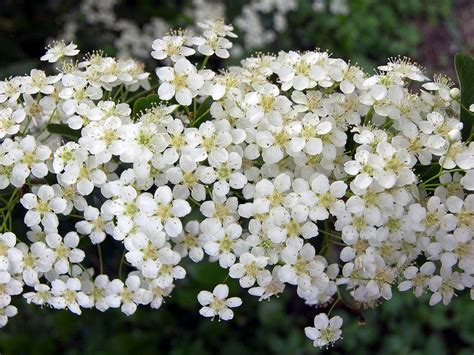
[[64, 131], [465, 70], [144, 103]]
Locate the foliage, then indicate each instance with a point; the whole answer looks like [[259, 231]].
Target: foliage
[[465, 70], [403, 325]]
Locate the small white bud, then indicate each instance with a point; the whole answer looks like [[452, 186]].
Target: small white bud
[[455, 93]]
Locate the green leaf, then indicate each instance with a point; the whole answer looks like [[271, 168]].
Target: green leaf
[[144, 103], [63, 130], [465, 70], [207, 274]]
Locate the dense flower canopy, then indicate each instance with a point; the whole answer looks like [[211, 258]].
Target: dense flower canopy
[[295, 169]]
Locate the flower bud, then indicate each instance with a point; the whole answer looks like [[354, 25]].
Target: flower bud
[[455, 93]]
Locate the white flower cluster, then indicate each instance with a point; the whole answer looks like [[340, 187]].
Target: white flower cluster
[[296, 169]]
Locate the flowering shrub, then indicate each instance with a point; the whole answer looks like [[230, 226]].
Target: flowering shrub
[[296, 169]]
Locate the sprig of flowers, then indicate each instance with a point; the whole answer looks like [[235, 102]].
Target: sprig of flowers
[[295, 169]]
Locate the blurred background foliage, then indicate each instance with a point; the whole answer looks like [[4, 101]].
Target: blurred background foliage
[[404, 325], [430, 31], [366, 32]]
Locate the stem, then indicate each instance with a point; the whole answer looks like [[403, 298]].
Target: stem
[[334, 304], [465, 108], [369, 116], [199, 119], [438, 175], [226, 277], [330, 234], [124, 95], [387, 124], [204, 62], [445, 156], [142, 93], [119, 90], [121, 265], [7, 222], [85, 270], [337, 243], [198, 204], [78, 216], [99, 250], [26, 127]]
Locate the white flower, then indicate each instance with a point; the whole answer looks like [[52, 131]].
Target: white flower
[[189, 243], [36, 259], [404, 67], [174, 46], [181, 81], [213, 44], [65, 250], [68, 295], [95, 225], [159, 294], [443, 286], [8, 252], [217, 303], [222, 243], [10, 89], [38, 81], [10, 121], [28, 158], [300, 266], [217, 26], [40, 296], [143, 252], [7, 312], [223, 172], [85, 175], [59, 50], [43, 207], [268, 287], [166, 209], [327, 197], [186, 180], [325, 331], [417, 279], [75, 93], [130, 294], [99, 292], [250, 269]]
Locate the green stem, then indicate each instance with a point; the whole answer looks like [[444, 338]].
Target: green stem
[[196, 203], [7, 222], [121, 265], [99, 250], [334, 304], [124, 95], [26, 127], [199, 119], [142, 93], [424, 183], [119, 90], [204, 62], [330, 234], [76, 216], [368, 117]]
